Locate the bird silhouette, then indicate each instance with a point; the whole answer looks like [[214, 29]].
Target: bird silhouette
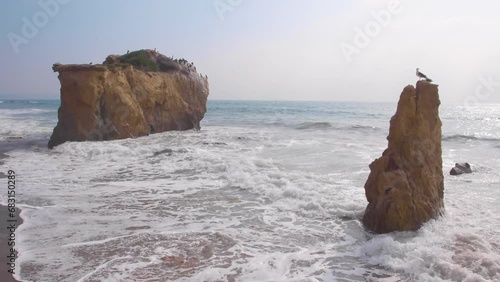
[[422, 76]]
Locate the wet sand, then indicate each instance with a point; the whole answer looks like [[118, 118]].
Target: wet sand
[[4, 231], [4, 248]]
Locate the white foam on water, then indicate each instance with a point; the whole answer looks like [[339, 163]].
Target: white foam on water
[[239, 203], [460, 246], [26, 126], [24, 111], [102, 195], [438, 252]]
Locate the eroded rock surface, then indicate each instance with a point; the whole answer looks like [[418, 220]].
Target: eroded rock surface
[[405, 186], [128, 96]]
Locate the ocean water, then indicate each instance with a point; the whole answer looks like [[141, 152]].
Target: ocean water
[[266, 191]]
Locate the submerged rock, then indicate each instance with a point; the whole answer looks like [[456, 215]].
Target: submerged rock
[[461, 168], [405, 186], [168, 152], [132, 95]]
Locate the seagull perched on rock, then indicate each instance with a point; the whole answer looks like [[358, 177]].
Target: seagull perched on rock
[[423, 76]]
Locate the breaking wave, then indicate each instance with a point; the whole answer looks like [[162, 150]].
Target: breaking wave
[[460, 137], [314, 125], [330, 126]]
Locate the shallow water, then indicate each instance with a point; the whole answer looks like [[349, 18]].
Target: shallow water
[[266, 191]]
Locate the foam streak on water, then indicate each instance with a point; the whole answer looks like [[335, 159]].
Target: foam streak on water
[[274, 194]]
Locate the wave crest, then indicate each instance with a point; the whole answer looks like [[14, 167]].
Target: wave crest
[[327, 125], [460, 137], [314, 125]]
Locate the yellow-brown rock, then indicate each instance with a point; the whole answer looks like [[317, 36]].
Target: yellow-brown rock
[[119, 100], [405, 187]]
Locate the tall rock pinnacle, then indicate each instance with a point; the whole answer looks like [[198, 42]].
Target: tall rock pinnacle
[[405, 186]]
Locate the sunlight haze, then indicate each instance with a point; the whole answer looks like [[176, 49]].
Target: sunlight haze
[[267, 50]]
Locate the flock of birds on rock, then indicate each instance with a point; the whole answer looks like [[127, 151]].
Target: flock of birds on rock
[[186, 63], [190, 66]]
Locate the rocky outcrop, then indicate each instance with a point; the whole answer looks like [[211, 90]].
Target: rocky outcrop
[[405, 186], [128, 96], [461, 168]]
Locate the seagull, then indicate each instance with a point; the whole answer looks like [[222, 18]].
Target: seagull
[[421, 75]]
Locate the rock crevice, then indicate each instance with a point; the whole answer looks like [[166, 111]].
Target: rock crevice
[[405, 186]]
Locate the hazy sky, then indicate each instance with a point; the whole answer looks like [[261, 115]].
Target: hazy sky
[[262, 49]]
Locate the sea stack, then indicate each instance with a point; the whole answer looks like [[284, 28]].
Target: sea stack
[[128, 96], [405, 186]]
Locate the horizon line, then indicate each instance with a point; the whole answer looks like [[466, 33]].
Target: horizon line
[[252, 100]]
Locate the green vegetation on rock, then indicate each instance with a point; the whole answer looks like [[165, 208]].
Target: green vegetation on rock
[[149, 61], [140, 60]]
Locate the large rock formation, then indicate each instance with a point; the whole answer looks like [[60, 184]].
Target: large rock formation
[[405, 187], [132, 95]]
